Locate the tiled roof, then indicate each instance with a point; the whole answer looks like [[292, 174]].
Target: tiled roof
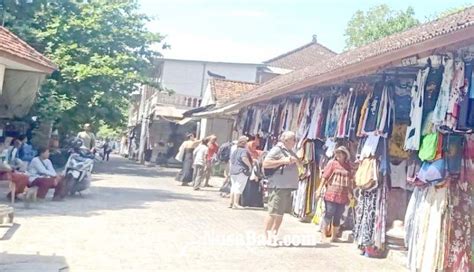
[[411, 38], [304, 56], [224, 90], [16, 47]]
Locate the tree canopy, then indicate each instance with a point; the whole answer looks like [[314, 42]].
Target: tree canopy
[[103, 50], [377, 22]]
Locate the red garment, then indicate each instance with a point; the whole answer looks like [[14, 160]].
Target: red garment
[[44, 184], [212, 151], [20, 180], [339, 182], [252, 147]]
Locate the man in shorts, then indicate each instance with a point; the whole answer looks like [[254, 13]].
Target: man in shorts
[[281, 169]]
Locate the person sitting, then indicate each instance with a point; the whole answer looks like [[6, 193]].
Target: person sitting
[[43, 175], [25, 152], [7, 173], [13, 157]]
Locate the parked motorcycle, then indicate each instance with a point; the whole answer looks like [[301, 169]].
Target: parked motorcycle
[[78, 169]]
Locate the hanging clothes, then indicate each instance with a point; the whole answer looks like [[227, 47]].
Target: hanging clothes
[[455, 96], [430, 98], [374, 108], [439, 113], [413, 136], [316, 115]]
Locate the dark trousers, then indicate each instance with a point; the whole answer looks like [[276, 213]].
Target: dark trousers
[[333, 213], [44, 184], [106, 155]]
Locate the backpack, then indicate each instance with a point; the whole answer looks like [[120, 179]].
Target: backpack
[[223, 153]]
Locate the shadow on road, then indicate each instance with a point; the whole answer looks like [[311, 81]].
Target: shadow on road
[[24, 262], [104, 199], [100, 198], [121, 166]]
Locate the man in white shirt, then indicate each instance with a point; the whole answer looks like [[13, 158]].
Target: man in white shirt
[[43, 175], [200, 156]]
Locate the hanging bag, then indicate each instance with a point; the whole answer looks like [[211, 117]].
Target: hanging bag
[[366, 175], [432, 172], [428, 147]]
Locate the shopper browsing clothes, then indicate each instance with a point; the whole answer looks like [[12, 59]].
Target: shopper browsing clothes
[[185, 155], [240, 166], [337, 184], [211, 153], [199, 164], [281, 168]]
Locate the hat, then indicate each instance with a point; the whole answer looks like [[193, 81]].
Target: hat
[[343, 149], [242, 140]]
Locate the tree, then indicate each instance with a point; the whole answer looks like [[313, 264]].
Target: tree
[[103, 51], [376, 23]]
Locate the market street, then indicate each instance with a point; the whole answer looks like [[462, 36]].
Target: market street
[[137, 218]]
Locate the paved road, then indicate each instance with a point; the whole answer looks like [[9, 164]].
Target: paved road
[[137, 218]]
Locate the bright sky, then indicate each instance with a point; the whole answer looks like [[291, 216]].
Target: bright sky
[[257, 30]]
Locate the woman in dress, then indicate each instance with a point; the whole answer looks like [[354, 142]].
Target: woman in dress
[[338, 180], [186, 151], [240, 166]]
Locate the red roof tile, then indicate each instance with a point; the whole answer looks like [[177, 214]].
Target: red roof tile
[[287, 83], [16, 47], [224, 90], [306, 55]]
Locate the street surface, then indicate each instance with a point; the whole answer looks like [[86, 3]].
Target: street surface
[[137, 218]]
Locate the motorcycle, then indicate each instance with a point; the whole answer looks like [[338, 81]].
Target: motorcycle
[[78, 170]]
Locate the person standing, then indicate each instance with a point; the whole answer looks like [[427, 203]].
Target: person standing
[[107, 149], [199, 165], [43, 175], [185, 155], [211, 153], [240, 166], [281, 168], [338, 181], [87, 137]]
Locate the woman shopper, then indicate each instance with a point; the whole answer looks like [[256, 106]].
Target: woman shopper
[[43, 175], [240, 166], [185, 155], [338, 181]]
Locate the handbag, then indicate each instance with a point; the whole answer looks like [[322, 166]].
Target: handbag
[[432, 172], [180, 155], [367, 173]]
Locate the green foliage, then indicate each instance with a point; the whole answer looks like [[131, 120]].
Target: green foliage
[[103, 51], [106, 131], [376, 23], [447, 12]]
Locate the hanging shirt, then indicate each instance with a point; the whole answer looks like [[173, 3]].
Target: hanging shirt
[[455, 95], [430, 98], [439, 113], [413, 136], [373, 109]]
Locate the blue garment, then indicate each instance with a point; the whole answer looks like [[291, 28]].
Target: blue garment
[[374, 107]]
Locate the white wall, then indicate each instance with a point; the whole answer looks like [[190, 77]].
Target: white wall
[[186, 77]]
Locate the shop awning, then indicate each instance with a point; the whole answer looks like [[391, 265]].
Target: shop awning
[[189, 113], [168, 112], [391, 51], [215, 112]]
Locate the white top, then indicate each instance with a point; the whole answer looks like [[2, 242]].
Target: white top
[[40, 168], [200, 154]]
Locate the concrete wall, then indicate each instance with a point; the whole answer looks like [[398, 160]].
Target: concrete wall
[[190, 77], [222, 128]]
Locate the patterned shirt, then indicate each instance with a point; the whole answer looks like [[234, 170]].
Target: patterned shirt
[[339, 182]]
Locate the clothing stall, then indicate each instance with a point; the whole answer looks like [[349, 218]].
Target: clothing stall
[[410, 136]]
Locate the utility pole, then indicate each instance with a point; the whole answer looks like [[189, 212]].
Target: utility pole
[[144, 124]]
